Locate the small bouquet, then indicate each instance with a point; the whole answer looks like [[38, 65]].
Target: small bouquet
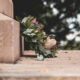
[[37, 39]]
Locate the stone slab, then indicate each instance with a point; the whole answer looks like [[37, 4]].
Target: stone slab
[[66, 66], [9, 39], [22, 45], [6, 7]]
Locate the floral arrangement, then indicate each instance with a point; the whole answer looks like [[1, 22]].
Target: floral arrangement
[[37, 39]]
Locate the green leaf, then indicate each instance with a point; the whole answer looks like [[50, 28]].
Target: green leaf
[[28, 31], [31, 35], [41, 48], [47, 52], [36, 51], [26, 39], [18, 19], [34, 40], [40, 57]]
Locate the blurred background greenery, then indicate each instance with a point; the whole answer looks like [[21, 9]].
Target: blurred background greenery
[[60, 17]]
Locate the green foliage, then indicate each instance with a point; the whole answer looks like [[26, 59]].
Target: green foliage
[[35, 37], [18, 18]]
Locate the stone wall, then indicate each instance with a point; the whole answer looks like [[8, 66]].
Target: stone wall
[[6, 7]]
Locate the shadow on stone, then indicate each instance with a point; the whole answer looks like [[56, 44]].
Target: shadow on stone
[[29, 56]]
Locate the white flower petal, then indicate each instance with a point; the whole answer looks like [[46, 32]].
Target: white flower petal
[[24, 19]]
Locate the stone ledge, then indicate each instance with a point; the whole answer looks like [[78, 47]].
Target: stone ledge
[[66, 66], [9, 39]]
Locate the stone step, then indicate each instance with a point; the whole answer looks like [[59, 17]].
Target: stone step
[[9, 39], [66, 66], [6, 7]]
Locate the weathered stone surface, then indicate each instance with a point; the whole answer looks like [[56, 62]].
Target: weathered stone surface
[[66, 66], [22, 45], [6, 7], [9, 39]]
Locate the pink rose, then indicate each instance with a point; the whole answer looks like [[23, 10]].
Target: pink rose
[[34, 21]]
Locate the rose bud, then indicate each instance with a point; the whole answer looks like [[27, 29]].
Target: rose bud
[[33, 21]]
